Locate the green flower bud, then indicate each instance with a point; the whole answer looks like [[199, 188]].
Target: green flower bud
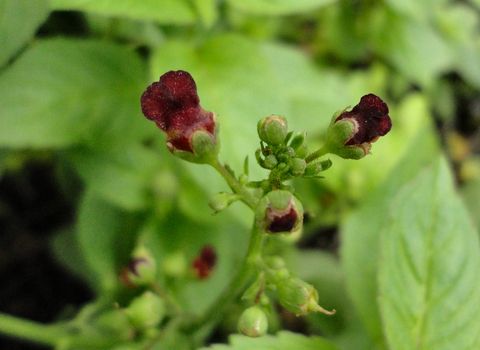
[[273, 129], [279, 211], [270, 161], [146, 311], [222, 200], [298, 166], [253, 322], [299, 297]]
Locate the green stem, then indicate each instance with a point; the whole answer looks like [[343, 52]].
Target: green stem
[[317, 154], [236, 187], [52, 335], [238, 284], [29, 330]]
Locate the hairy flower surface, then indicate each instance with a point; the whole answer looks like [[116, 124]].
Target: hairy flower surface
[[173, 104], [371, 119]]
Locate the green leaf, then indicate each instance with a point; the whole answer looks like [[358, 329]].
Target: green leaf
[[414, 47], [163, 11], [323, 270], [61, 92], [361, 230], [429, 276], [19, 19], [207, 11], [121, 175], [278, 7], [282, 341], [105, 235]]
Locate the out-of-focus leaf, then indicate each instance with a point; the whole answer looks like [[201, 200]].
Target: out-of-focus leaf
[[420, 10], [207, 10], [62, 92], [163, 11], [19, 20], [178, 233], [121, 175], [278, 7], [323, 270], [361, 230], [470, 192], [105, 235], [282, 341], [414, 47], [429, 276]]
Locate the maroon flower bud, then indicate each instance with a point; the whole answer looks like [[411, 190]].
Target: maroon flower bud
[[371, 119], [173, 104], [351, 134], [204, 264]]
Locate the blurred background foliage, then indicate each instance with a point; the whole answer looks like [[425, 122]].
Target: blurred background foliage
[[71, 76]]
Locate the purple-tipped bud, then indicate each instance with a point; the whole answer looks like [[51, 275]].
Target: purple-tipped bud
[[173, 104], [141, 269], [351, 133]]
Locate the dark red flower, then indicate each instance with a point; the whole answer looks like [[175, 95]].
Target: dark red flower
[[204, 264], [371, 119], [173, 104]]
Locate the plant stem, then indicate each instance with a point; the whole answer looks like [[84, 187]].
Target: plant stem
[[317, 154], [237, 285], [29, 330], [52, 335], [236, 187]]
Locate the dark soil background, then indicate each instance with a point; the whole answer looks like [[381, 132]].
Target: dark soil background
[[33, 285]]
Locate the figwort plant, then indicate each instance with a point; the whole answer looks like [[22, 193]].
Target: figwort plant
[[151, 313]]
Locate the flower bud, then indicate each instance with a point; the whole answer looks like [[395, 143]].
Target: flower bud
[[253, 322], [173, 104], [273, 129], [141, 269], [351, 134], [146, 311], [204, 264], [222, 200], [298, 166], [279, 211], [299, 297]]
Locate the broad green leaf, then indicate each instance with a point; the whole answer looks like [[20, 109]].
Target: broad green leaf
[[361, 229], [412, 46], [61, 92], [278, 7], [282, 341], [470, 192], [163, 11], [429, 276], [420, 10], [121, 175], [105, 235], [207, 11], [19, 19]]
